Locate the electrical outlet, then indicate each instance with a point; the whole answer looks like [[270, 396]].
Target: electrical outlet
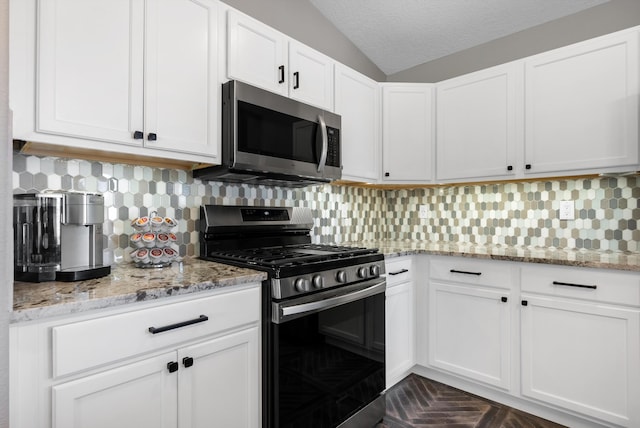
[[424, 211], [567, 210]]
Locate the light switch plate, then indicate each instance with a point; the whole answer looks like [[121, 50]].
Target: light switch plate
[[567, 210], [424, 211]]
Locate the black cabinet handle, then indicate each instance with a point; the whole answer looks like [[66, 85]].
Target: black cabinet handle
[[504, 299], [296, 80], [510, 168], [398, 272], [281, 69], [138, 135], [524, 303], [152, 136], [386, 174], [156, 330], [465, 272], [569, 284], [527, 166], [172, 366], [187, 361]]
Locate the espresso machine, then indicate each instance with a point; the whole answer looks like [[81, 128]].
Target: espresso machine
[[58, 236]]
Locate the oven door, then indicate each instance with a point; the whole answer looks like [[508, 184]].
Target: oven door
[[327, 357]]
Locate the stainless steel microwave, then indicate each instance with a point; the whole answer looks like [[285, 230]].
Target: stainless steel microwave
[[273, 140]]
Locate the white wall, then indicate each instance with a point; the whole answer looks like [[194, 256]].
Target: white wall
[[6, 256], [593, 22]]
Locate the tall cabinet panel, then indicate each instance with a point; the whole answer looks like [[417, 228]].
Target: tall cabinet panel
[[408, 113], [90, 69], [311, 78], [582, 106], [357, 101], [479, 124]]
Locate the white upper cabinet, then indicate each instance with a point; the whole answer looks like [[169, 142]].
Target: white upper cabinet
[[408, 115], [479, 119], [582, 106], [256, 53], [357, 100], [129, 76], [262, 56]]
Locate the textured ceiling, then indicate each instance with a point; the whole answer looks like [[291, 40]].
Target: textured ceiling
[[400, 34]]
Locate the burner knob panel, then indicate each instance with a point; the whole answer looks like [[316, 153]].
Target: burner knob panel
[[362, 272], [374, 270], [301, 284], [318, 281], [341, 276]]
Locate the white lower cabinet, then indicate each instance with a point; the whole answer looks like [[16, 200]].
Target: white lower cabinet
[[577, 354], [205, 373], [400, 319], [469, 324], [115, 398]]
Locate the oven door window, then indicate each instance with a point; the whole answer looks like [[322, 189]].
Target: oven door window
[[329, 364]]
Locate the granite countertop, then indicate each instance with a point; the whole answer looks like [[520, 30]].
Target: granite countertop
[[618, 260], [125, 284]]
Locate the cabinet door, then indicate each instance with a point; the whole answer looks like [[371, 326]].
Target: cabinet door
[[138, 395], [469, 332], [256, 53], [222, 387], [582, 106], [400, 331], [582, 357], [478, 124], [181, 80], [310, 76], [357, 100], [90, 69], [407, 132]]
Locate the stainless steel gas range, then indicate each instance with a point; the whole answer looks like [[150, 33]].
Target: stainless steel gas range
[[323, 338]]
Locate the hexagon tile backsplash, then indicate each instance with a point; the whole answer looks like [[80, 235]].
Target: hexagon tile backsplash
[[518, 214]]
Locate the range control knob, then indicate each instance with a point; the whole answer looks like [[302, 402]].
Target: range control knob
[[341, 276], [362, 272], [374, 270], [301, 284], [318, 281]]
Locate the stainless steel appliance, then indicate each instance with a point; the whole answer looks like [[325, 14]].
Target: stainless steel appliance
[[58, 236], [273, 140], [323, 316]]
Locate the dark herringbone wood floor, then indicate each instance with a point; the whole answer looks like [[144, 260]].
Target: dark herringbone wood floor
[[420, 402]]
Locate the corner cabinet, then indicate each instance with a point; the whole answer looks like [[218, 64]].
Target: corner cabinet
[[408, 131], [582, 106], [479, 124], [262, 56], [135, 77], [111, 369], [357, 100]]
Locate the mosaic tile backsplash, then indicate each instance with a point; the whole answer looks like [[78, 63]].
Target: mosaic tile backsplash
[[514, 214]]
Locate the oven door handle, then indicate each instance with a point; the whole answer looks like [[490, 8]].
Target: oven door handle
[[286, 311]]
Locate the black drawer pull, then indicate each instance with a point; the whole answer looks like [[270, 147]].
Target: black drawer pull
[[281, 70], [524, 303], [568, 284], [172, 367], [156, 330], [504, 299], [465, 272], [187, 361], [398, 272]]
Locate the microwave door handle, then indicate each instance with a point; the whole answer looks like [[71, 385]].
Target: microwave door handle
[[325, 143]]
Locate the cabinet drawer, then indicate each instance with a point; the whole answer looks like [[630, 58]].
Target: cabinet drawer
[[399, 270], [471, 271], [583, 283], [87, 344]]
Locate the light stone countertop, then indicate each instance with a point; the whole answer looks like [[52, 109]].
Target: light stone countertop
[[617, 260], [125, 284]]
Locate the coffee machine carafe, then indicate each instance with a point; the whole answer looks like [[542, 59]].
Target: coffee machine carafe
[[58, 236]]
